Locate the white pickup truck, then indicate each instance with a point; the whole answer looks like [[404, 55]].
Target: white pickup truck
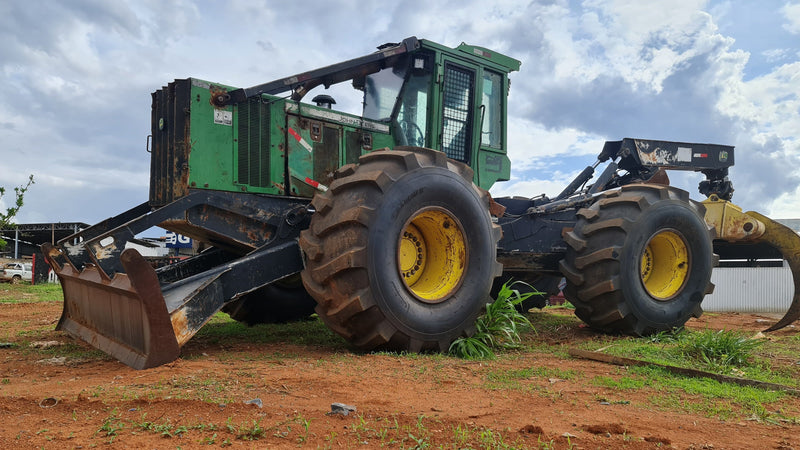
[[15, 272]]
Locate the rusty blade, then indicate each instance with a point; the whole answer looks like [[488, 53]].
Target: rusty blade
[[125, 316], [785, 240]]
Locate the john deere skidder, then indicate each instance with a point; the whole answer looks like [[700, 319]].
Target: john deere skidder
[[381, 221]]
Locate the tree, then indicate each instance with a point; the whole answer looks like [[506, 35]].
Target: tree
[[7, 218]]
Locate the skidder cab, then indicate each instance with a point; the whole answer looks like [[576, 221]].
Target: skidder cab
[[379, 220]]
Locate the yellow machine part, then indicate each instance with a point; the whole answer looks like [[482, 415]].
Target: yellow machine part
[[733, 225]]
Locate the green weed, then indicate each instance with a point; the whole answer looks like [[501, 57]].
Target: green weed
[[111, 426], [248, 432], [498, 328]]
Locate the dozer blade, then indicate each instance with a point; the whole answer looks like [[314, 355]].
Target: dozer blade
[[734, 226], [142, 316], [785, 240], [125, 316]]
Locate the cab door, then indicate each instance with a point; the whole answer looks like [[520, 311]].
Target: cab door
[[492, 163], [457, 130], [472, 125]]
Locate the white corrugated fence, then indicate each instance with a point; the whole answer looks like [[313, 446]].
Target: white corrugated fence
[[751, 290]]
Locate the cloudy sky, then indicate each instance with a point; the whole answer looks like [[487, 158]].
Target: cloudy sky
[[77, 77]]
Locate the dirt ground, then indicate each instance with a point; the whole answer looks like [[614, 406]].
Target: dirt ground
[[400, 401]]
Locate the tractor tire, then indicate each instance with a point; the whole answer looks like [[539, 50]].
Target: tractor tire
[[280, 302], [401, 251], [639, 260]]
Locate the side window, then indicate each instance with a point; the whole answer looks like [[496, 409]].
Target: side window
[[457, 115], [492, 110], [413, 113]]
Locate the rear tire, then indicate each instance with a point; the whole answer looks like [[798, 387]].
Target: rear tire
[[282, 301], [639, 260], [401, 252], [16, 279]]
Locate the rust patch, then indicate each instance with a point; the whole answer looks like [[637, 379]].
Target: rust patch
[[180, 325], [660, 177], [495, 209], [103, 252], [219, 96]]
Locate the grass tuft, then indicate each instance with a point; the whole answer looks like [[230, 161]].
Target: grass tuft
[[498, 328], [720, 349]]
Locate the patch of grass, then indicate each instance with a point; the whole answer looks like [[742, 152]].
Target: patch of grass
[[721, 352], [28, 293], [498, 328], [222, 329], [549, 320], [419, 432], [719, 349], [623, 383], [709, 397], [248, 431], [511, 378], [111, 426]]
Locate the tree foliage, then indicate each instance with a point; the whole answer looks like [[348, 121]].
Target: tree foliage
[[7, 217]]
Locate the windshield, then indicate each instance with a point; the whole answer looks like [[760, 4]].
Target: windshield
[[381, 90]]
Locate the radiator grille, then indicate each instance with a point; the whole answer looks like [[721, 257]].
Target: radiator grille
[[254, 144]]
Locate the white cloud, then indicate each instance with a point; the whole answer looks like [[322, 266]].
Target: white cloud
[[529, 142], [74, 105], [529, 188], [768, 104], [791, 12], [643, 43], [786, 205], [775, 55]]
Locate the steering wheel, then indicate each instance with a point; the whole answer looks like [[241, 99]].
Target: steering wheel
[[413, 133]]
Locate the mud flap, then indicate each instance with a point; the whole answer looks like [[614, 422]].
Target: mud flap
[[125, 316]]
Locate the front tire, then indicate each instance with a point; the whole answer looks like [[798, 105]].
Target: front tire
[[401, 252], [639, 260]]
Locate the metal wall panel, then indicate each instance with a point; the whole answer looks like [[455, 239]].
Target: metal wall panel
[[751, 290]]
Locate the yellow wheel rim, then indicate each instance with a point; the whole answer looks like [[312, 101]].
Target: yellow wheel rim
[[432, 255], [665, 265]]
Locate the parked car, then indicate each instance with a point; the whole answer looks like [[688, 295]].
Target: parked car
[[15, 272]]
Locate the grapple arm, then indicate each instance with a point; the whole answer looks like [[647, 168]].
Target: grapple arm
[[733, 225]]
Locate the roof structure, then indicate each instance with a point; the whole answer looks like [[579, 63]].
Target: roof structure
[[39, 233], [32, 235]]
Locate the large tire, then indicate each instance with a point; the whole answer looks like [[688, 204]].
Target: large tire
[[401, 251], [639, 260], [280, 302]]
